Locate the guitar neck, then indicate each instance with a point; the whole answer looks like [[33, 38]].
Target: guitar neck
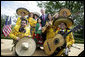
[[78, 27], [46, 25]]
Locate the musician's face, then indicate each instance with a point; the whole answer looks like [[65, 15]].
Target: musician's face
[[31, 14], [35, 16], [62, 26], [65, 14], [23, 23], [22, 14], [39, 21]]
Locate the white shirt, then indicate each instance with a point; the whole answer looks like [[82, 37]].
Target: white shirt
[[40, 28]]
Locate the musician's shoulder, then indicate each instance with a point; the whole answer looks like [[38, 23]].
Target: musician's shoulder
[[16, 26], [68, 29]]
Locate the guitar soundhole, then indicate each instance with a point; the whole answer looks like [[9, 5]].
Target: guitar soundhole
[[56, 41]]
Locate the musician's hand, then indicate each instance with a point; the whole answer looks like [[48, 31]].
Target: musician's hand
[[50, 23], [17, 38], [42, 28], [29, 36], [47, 24]]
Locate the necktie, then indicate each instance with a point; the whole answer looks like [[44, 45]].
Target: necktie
[[43, 18]]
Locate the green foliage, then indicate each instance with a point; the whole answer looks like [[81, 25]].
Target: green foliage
[[79, 40]]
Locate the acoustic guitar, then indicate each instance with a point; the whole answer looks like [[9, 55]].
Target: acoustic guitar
[[44, 28], [50, 45]]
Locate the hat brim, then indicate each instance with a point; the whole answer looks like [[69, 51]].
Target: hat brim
[[36, 13], [68, 21], [20, 10], [67, 11], [30, 51]]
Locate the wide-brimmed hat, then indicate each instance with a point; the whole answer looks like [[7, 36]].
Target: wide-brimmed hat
[[64, 10], [20, 10], [69, 22], [25, 47], [36, 13]]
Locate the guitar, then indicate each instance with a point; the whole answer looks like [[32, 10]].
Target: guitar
[[51, 44], [44, 28]]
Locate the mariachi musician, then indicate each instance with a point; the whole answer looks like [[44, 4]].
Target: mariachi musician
[[49, 31], [21, 12], [64, 23], [32, 22], [20, 31], [57, 42]]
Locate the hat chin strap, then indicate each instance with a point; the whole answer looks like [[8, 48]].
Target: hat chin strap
[[25, 45]]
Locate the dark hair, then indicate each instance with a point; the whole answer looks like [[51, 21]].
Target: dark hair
[[66, 26], [38, 19], [48, 15], [30, 15], [24, 20], [35, 15], [22, 30]]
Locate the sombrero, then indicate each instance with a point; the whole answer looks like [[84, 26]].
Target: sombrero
[[20, 10], [25, 47], [36, 13], [64, 10], [68, 21]]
